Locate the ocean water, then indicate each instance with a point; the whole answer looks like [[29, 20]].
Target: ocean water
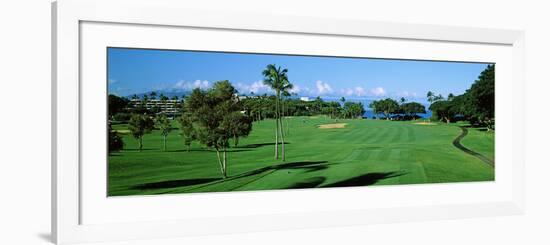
[[370, 114]]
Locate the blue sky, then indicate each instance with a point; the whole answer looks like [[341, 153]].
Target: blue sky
[[134, 71]]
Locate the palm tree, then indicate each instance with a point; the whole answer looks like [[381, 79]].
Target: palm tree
[[430, 96], [285, 91], [277, 79]]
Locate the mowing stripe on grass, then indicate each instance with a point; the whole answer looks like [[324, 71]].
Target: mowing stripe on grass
[[398, 133], [411, 136]]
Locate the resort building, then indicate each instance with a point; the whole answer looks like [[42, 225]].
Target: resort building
[[168, 107]]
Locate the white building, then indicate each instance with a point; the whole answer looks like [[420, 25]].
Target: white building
[[168, 107]]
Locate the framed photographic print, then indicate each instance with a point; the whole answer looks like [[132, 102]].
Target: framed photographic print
[[169, 124], [192, 135]]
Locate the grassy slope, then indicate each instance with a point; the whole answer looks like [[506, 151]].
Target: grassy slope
[[480, 141], [365, 152]]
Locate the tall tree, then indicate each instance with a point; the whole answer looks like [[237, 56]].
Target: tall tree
[[276, 78], [353, 110], [412, 108], [374, 105], [430, 96], [187, 130], [140, 125], [239, 125], [443, 110], [481, 98], [387, 107], [214, 116], [165, 127], [334, 107]]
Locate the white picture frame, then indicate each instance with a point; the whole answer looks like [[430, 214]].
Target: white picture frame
[[67, 200]]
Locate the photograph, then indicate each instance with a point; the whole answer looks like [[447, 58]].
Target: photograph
[[202, 121]]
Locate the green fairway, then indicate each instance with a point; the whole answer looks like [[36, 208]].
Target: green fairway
[[352, 153]]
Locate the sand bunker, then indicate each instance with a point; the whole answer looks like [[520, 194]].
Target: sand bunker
[[123, 131], [425, 123], [333, 125]]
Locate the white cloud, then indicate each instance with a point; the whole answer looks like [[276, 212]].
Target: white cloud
[[378, 91], [347, 91], [360, 91], [323, 88], [356, 91], [257, 87], [295, 89], [185, 85], [306, 91], [111, 81]]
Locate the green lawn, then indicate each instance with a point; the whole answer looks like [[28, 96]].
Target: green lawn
[[365, 152]]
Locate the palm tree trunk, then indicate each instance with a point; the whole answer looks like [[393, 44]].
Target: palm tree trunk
[[140, 143], [277, 127]]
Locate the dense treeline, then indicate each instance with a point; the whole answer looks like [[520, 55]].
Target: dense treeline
[[262, 107], [257, 107], [476, 105], [393, 110]]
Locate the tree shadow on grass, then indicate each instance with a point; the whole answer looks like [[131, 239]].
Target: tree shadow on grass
[[307, 183], [134, 150], [306, 165], [207, 150], [365, 179], [174, 183], [257, 145]]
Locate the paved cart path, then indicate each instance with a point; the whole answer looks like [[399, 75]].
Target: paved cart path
[[457, 144]]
